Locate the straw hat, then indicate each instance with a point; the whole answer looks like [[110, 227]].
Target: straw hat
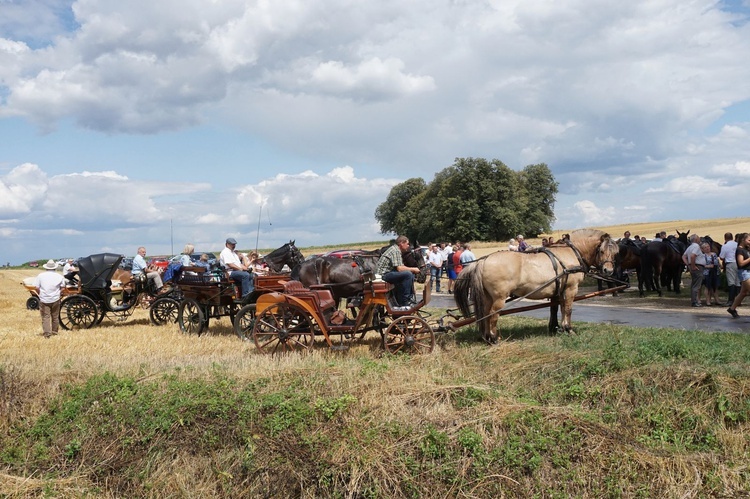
[[50, 265]]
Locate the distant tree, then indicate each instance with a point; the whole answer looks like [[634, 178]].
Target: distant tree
[[541, 189], [474, 199], [390, 214]]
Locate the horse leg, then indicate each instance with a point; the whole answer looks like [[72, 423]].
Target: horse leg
[[491, 331], [566, 308], [553, 326]]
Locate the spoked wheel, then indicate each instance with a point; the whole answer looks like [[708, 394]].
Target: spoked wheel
[[190, 317], [164, 311], [78, 312], [282, 328], [244, 322], [32, 303], [409, 334]]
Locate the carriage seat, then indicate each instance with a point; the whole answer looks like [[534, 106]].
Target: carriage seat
[[323, 298]]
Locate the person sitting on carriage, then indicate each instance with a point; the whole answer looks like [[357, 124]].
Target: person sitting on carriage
[[392, 270], [140, 267], [237, 270], [70, 271], [256, 264], [203, 262]]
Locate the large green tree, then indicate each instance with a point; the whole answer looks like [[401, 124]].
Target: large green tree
[[474, 199]]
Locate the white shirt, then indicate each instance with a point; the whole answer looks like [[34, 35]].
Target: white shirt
[[693, 249], [729, 252], [436, 259], [228, 256], [48, 285]]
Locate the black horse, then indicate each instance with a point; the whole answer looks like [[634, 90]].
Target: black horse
[[288, 255], [628, 259], [661, 263]]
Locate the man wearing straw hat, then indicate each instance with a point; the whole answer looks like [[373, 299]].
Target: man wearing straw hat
[[48, 286]]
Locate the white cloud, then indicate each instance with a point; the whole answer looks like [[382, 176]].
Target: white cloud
[[594, 215], [691, 185], [22, 190]]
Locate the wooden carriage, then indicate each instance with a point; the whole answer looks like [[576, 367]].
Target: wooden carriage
[[208, 295], [288, 320]]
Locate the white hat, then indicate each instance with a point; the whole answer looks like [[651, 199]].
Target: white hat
[[50, 265]]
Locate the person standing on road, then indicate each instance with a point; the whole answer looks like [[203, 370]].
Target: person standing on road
[[728, 256], [436, 267], [694, 258], [743, 267], [467, 256], [49, 285], [710, 275]]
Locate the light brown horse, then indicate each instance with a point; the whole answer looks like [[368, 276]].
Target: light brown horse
[[554, 272]]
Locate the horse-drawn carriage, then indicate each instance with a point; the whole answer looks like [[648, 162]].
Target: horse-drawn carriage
[[99, 296], [32, 303], [212, 295], [288, 320]]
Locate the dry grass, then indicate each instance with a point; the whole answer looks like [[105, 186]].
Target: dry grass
[[513, 420]]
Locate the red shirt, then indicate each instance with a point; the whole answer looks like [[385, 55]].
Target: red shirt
[[457, 267]]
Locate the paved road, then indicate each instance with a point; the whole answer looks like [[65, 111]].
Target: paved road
[[637, 317]]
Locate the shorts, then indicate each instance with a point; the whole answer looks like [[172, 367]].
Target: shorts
[[744, 275]]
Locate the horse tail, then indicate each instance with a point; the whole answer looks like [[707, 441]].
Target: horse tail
[[468, 288]]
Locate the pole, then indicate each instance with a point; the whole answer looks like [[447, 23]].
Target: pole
[[171, 235], [257, 232]]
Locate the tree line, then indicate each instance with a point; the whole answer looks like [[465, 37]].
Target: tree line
[[472, 200]]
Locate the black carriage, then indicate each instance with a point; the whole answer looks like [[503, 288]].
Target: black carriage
[[99, 297]]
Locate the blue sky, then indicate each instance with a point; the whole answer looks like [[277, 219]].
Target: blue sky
[[161, 123]]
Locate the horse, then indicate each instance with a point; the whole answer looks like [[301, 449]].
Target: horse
[[553, 272], [662, 265], [344, 275], [288, 254]]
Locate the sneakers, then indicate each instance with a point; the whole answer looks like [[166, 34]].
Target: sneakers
[[733, 313]]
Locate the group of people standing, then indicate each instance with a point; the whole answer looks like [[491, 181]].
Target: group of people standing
[[705, 267], [450, 259]]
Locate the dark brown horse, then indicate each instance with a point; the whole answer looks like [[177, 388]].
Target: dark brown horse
[[344, 275], [661, 263]]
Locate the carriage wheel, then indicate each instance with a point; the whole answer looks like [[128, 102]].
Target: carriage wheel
[[32, 303], [190, 317], [244, 322], [78, 312], [283, 328], [164, 311], [409, 334]]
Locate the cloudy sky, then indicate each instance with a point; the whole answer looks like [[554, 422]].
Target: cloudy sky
[[164, 122]]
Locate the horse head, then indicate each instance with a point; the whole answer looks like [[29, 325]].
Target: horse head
[[413, 258], [288, 254], [607, 255]]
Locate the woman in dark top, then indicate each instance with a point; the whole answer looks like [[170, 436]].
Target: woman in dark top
[[743, 268]]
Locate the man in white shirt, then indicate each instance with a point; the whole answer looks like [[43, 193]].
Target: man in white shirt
[[48, 286], [237, 270], [728, 255], [435, 259]]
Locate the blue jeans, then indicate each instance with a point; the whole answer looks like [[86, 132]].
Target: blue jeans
[[244, 279], [404, 282], [435, 274]]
